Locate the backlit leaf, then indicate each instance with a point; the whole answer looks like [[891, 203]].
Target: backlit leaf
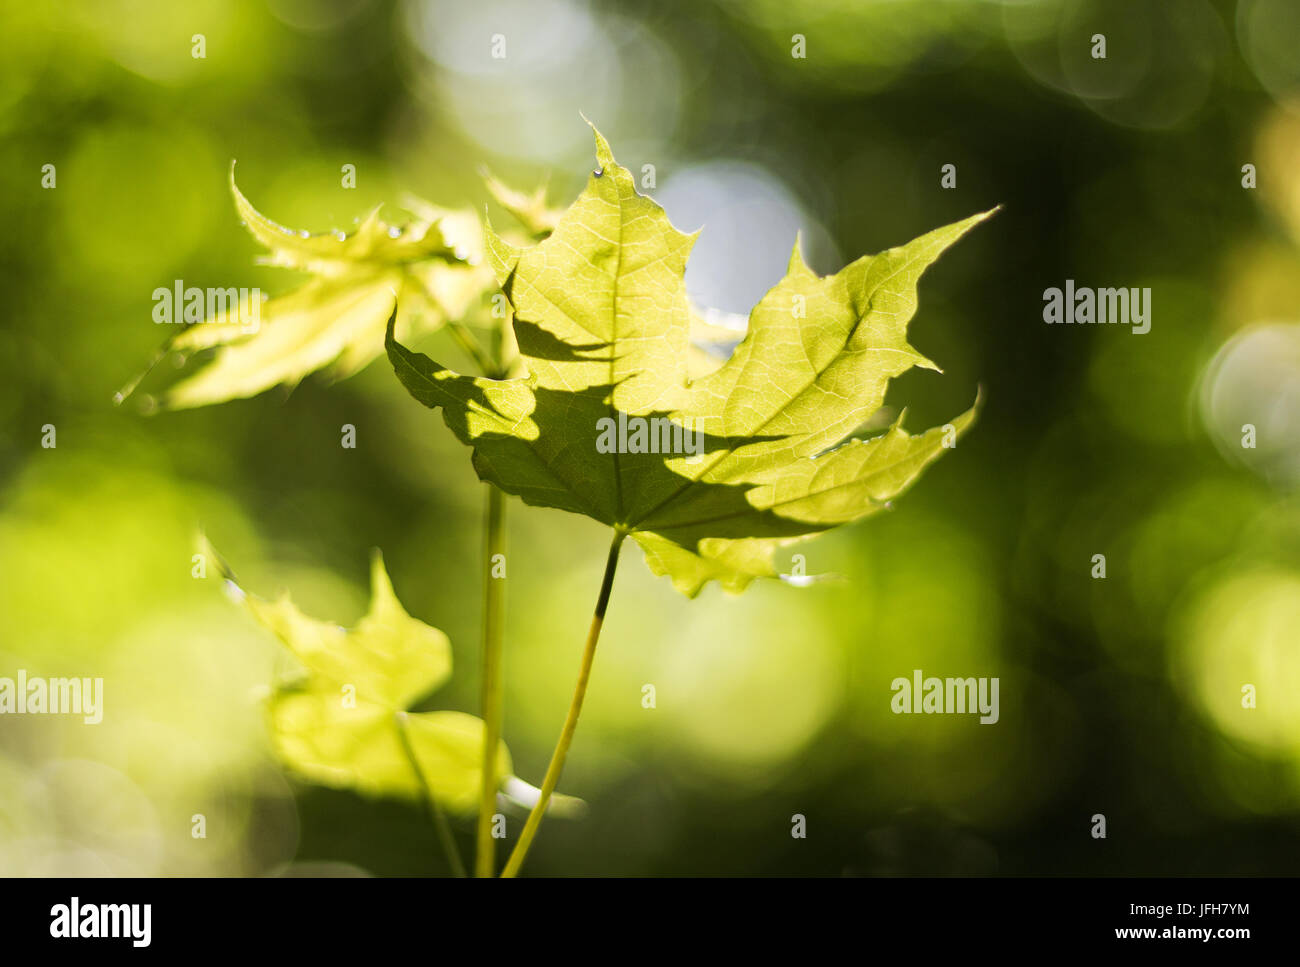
[[429, 270], [339, 723], [604, 330]]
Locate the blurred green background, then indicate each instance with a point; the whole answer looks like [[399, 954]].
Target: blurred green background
[[1119, 696]]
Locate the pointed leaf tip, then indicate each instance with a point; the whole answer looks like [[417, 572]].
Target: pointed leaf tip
[[604, 153]]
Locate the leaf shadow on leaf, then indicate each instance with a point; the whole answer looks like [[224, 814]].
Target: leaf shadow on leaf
[[537, 342], [562, 442]]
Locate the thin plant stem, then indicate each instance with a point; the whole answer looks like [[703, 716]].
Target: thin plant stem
[[553, 771], [439, 818], [494, 597]]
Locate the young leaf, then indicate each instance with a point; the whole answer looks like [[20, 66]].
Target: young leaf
[[529, 209], [426, 270], [339, 723], [713, 333], [603, 326]]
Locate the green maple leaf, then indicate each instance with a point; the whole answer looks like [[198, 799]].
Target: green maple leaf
[[603, 327], [429, 270], [710, 335], [344, 721]]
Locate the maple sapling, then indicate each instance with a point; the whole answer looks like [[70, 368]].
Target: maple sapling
[[604, 329], [593, 396]]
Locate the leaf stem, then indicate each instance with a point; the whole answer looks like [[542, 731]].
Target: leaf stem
[[556, 767], [439, 818], [494, 597]]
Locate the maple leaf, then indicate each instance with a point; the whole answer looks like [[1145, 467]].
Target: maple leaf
[[344, 721], [429, 270], [761, 452], [712, 331]]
